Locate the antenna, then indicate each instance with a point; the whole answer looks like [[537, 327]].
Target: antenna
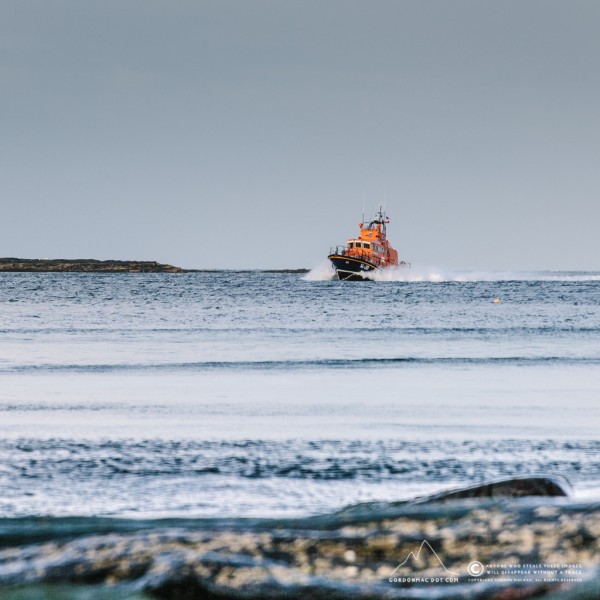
[[364, 202]]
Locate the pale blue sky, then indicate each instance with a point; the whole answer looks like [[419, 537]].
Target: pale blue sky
[[246, 134]]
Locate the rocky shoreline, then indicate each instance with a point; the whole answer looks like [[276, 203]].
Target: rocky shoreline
[[84, 265], [478, 546], [90, 265]]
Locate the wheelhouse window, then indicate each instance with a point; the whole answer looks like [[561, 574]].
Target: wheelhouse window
[[357, 245], [367, 245], [350, 244]]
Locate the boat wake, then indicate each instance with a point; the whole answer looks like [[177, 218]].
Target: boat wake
[[324, 272], [432, 274]]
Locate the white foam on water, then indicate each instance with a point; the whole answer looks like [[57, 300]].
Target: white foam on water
[[325, 272], [435, 274], [585, 492], [322, 272]]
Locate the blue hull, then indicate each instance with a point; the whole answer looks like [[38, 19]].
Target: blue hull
[[348, 268]]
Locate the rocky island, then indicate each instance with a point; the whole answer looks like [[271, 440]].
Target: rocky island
[[84, 265], [91, 265]]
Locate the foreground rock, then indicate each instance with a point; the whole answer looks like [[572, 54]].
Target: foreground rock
[[468, 548], [20, 265]]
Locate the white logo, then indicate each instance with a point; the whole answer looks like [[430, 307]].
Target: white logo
[[476, 569], [414, 560]]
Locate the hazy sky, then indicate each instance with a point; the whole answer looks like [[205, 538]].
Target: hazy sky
[[249, 133]]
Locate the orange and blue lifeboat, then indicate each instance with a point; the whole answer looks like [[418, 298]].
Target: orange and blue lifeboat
[[369, 251]]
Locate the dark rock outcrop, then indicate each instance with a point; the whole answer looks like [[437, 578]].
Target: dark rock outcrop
[[84, 265], [515, 487]]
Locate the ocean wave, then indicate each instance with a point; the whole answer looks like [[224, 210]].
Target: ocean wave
[[337, 328], [326, 363], [330, 460]]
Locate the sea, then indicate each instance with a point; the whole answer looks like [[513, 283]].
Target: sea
[[277, 394]]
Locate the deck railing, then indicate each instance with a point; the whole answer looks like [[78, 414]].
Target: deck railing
[[356, 253], [361, 255]]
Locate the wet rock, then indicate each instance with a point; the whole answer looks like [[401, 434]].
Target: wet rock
[[403, 551], [515, 487]]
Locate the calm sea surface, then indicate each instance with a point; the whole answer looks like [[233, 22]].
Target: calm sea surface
[[270, 394]]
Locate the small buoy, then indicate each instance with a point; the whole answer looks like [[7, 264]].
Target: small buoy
[[496, 300]]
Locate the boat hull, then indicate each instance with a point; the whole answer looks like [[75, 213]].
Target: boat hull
[[348, 268]]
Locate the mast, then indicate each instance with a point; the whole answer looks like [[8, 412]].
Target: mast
[[381, 219]]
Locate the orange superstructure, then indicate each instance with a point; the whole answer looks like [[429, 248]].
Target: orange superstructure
[[370, 250], [372, 244]]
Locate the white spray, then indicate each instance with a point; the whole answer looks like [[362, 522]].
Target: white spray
[[322, 272], [433, 274]]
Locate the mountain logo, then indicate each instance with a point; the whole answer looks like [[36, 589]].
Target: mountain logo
[[425, 557]]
